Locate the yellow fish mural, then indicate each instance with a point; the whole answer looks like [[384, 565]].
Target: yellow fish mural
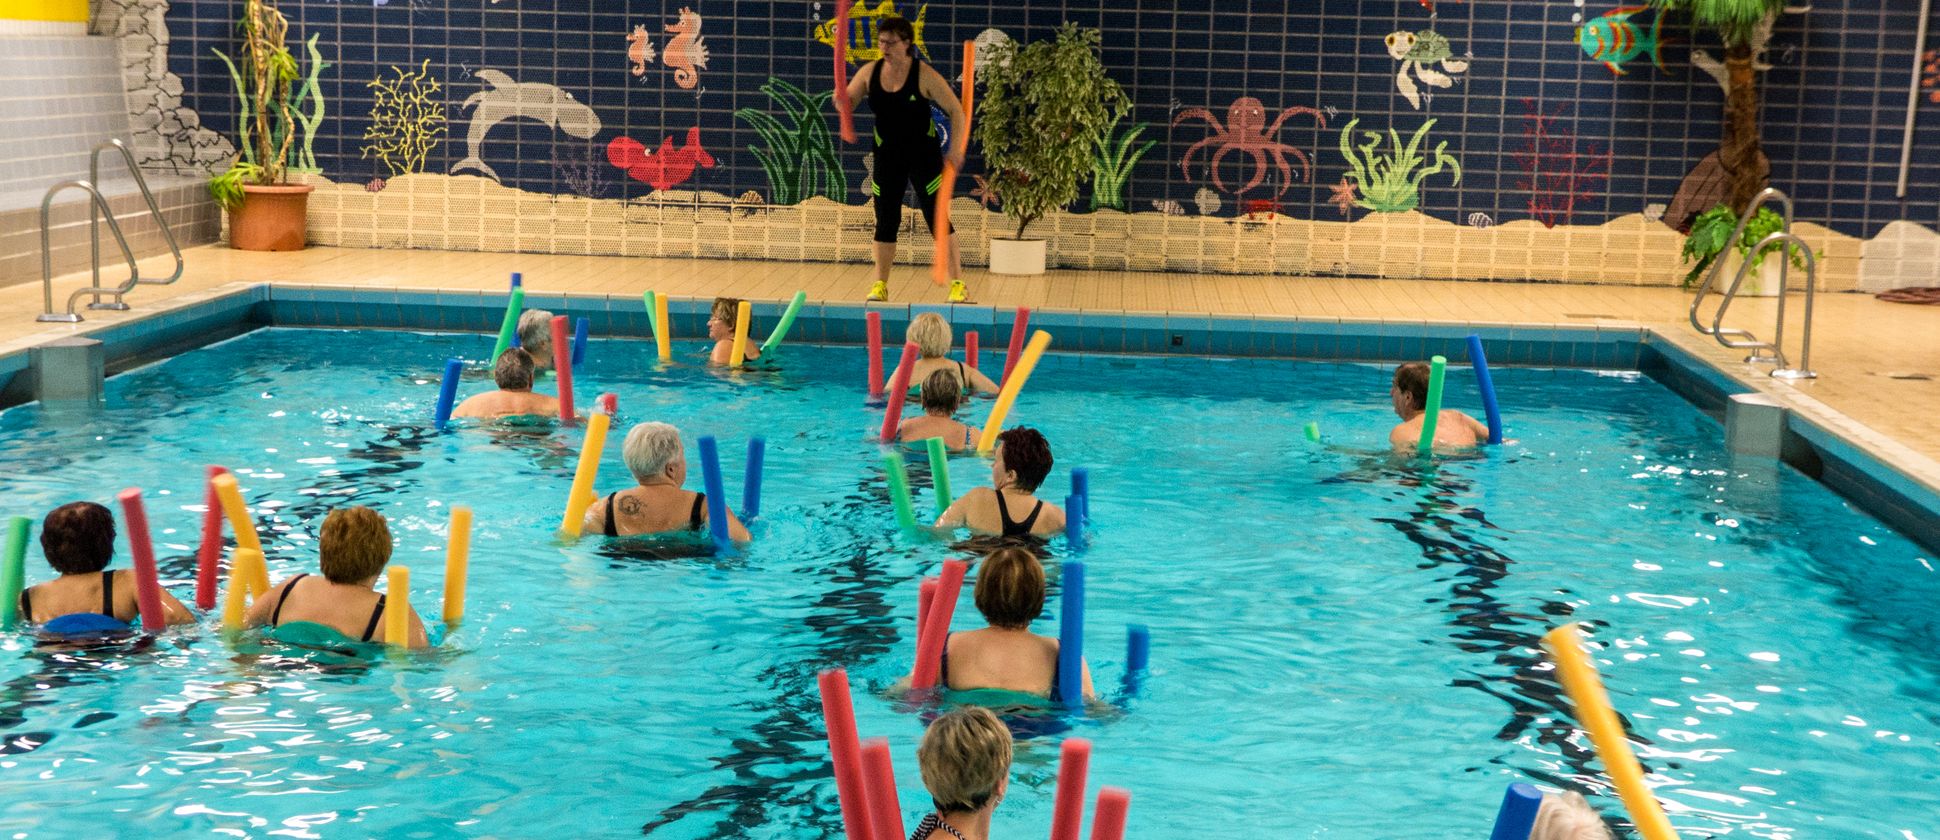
[[862, 30]]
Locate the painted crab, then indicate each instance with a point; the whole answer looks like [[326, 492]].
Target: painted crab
[[1246, 131], [1417, 50]]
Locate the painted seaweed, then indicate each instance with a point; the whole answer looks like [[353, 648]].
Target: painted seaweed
[[1557, 174], [407, 118], [800, 158], [288, 120], [1390, 182], [1112, 164]]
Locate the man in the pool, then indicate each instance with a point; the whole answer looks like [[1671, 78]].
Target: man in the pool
[[1410, 395], [514, 396]]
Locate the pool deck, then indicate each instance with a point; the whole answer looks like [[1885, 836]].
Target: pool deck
[[1878, 363]]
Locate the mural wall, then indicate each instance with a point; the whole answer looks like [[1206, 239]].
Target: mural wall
[[1552, 140]]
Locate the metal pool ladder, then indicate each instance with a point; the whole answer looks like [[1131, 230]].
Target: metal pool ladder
[[97, 209], [1763, 352]]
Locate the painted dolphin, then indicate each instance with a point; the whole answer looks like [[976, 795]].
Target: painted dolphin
[[504, 99]]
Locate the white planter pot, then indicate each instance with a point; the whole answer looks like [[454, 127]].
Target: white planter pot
[[1016, 256], [1764, 280]]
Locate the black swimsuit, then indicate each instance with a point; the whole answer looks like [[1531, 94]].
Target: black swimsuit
[[906, 150], [107, 598], [930, 825], [1017, 529], [694, 517], [276, 615]]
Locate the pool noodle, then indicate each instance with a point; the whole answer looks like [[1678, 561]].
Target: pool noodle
[[879, 772], [581, 495], [510, 326], [751, 479], [1068, 810], [209, 555], [946, 187], [13, 570], [562, 367], [898, 473], [518, 280], [653, 316], [838, 719], [609, 403], [1431, 413], [1081, 487], [664, 333], [1074, 522], [397, 607], [458, 547], [717, 519], [1019, 327], [1518, 814], [925, 598], [1313, 431], [970, 349], [1487, 384], [1071, 636], [1138, 647], [581, 327], [872, 322], [240, 522], [787, 322], [236, 601], [844, 109], [743, 316], [1013, 383], [1108, 814], [940, 473], [141, 549], [936, 627], [448, 392], [898, 391], [1593, 710]]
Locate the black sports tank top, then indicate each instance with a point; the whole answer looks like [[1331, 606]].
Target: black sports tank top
[[902, 115]]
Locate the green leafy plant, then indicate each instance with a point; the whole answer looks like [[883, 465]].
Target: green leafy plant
[[1112, 164], [1045, 109], [227, 187], [1390, 182], [800, 158], [266, 121], [1711, 232]]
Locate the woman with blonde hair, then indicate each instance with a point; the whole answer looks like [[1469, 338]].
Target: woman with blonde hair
[[940, 400], [933, 338], [965, 761], [1567, 816]]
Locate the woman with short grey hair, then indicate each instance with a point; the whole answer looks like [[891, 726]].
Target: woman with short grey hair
[[535, 335], [653, 453]]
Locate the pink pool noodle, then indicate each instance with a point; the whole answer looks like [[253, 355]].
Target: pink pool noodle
[[1108, 816], [609, 404], [562, 364], [209, 556], [1068, 814], [1018, 329], [936, 627], [148, 587], [970, 351], [874, 322], [838, 717], [885, 811], [898, 389], [925, 598], [843, 109]]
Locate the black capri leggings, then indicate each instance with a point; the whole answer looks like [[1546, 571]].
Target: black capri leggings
[[897, 167]]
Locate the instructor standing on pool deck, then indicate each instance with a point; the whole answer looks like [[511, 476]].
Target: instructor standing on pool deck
[[900, 88]]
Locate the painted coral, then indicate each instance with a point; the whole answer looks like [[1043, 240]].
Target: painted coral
[[1558, 173], [407, 120]]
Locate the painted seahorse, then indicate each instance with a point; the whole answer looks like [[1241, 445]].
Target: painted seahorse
[[686, 51], [638, 50]]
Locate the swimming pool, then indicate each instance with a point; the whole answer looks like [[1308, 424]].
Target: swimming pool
[[1343, 644]]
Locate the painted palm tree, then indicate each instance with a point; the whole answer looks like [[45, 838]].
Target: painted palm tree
[[1742, 25]]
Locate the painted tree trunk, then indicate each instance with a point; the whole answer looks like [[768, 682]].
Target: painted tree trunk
[[1744, 162]]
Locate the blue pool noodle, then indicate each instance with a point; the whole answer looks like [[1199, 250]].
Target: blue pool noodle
[[1074, 522], [447, 392], [1481, 363], [580, 328], [1081, 487], [517, 279], [751, 483], [1518, 814], [717, 521], [1138, 647], [1071, 636]]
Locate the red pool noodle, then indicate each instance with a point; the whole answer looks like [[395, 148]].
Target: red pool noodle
[[1019, 326], [838, 717], [842, 106], [873, 320], [209, 556], [1108, 815], [970, 351], [898, 390], [1068, 814], [925, 597], [885, 811], [609, 404], [562, 364], [936, 629], [148, 588]]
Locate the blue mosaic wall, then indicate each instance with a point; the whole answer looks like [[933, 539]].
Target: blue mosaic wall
[[1835, 98]]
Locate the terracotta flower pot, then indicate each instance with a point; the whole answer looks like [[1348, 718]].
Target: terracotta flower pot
[[270, 218]]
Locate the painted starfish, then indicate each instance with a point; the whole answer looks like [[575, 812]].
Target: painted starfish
[[1343, 196]]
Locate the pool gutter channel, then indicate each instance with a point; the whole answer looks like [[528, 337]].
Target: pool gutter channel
[[1854, 461]]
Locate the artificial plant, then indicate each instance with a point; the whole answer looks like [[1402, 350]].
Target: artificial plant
[[1045, 109], [1711, 233], [1743, 26], [267, 122]]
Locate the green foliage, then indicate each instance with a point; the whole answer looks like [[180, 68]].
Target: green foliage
[[311, 94], [1046, 108], [1735, 20], [266, 122], [1389, 182], [227, 188], [799, 159], [1112, 164], [1711, 231]]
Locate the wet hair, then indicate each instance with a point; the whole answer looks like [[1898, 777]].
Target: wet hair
[[964, 757], [513, 372], [725, 310], [78, 538], [900, 27], [535, 334], [354, 546], [649, 448], [1010, 588], [931, 335], [941, 392], [1566, 816], [1028, 454], [1412, 379]]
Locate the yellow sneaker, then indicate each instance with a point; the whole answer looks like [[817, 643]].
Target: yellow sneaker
[[880, 291], [958, 294]]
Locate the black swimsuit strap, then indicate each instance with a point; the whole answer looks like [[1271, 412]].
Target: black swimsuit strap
[[964, 378], [1017, 529], [376, 613], [695, 517], [26, 607], [1031, 521], [107, 593], [612, 526], [275, 615], [943, 663]]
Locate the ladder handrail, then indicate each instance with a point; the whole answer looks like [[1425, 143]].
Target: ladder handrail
[[154, 210], [47, 255], [1784, 240], [1717, 264]]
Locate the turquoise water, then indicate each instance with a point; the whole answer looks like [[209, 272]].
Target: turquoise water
[[1342, 643]]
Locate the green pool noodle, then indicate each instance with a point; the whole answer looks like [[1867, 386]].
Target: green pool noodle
[[1437, 371], [510, 325], [940, 473], [653, 312], [1313, 431], [13, 570], [787, 320], [892, 464]]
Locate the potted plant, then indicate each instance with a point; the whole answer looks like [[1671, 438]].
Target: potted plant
[[1045, 108], [266, 212], [1711, 233]]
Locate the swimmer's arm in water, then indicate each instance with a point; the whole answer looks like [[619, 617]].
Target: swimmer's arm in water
[[980, 384], [1400, 438], [957, 515], [736, 531], [595, 521], [1477, 428], [415, 638], [859, 84], [173, 612], [259, 612]]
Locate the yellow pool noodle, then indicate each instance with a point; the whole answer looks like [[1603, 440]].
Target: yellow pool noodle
[[235, 602], [665, 335], [458, 548], [239, 521], [742, 316], [589, 467], [397, 607], [1013, 383], [1606, 733]]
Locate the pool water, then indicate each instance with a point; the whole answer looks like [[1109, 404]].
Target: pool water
[[1344, 643]]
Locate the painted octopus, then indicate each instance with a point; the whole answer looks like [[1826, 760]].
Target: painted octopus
[[1247, 132], [1417, 50]]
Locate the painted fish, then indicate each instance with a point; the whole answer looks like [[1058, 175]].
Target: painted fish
[[1612, 39], [506, 99], [686, 50], [663, 168], [862, 47], [638, 51]]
